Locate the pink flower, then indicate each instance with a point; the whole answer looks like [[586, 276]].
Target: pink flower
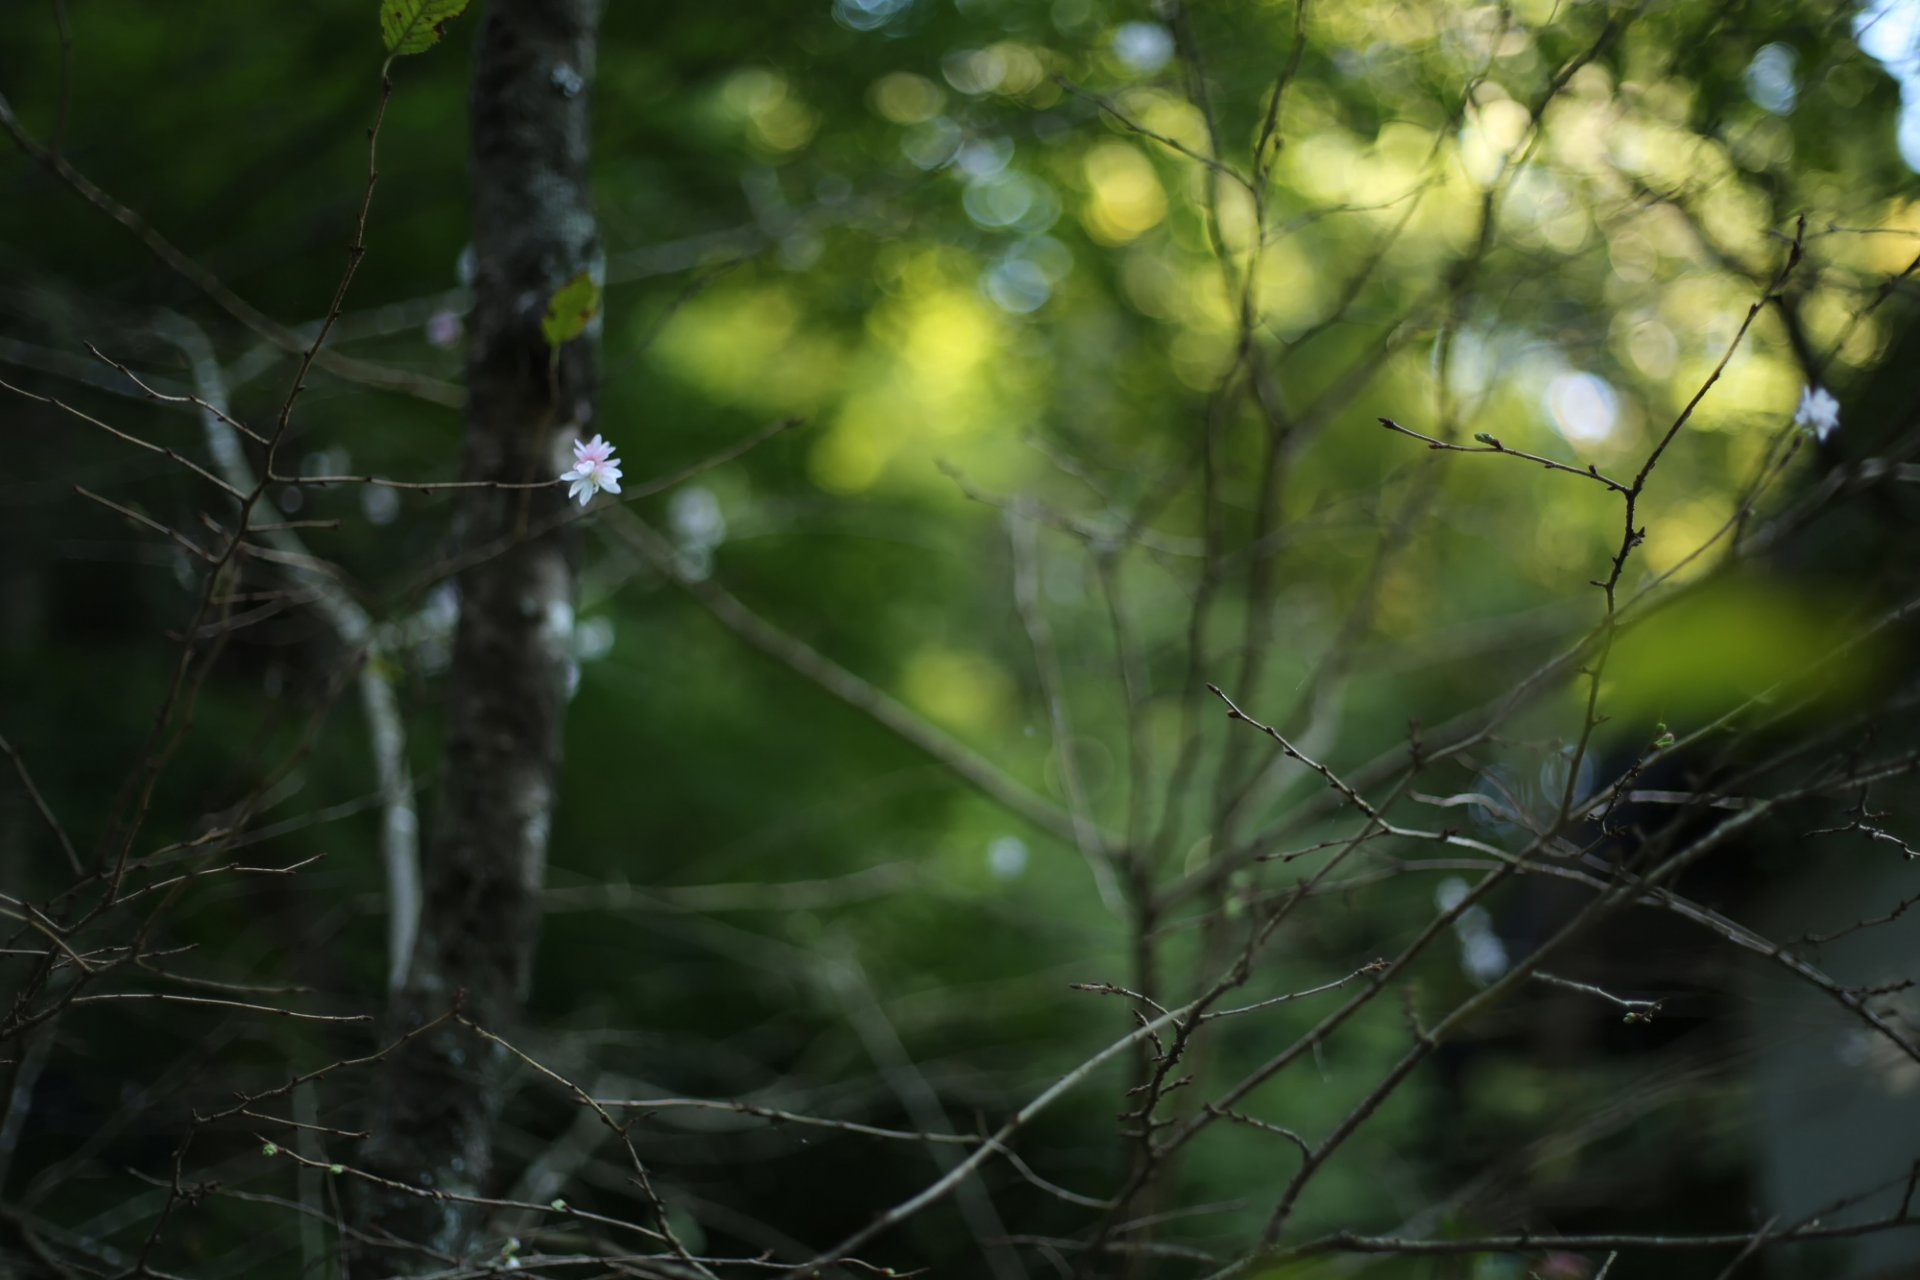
[[594, 468]]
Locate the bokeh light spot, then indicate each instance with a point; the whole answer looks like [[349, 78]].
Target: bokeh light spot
[[1584, 406]]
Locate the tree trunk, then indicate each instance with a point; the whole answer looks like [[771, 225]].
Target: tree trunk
[[432, 1126]]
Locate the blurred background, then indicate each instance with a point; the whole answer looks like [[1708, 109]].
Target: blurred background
[[1087, 333]]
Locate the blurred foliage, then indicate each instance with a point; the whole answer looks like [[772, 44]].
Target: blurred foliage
[[913, 225]]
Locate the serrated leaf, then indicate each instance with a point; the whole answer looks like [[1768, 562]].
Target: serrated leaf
[[570, 310], [415, 26]]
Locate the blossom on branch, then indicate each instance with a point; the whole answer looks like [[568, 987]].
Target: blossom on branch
[[594, 468], [1818, 414]]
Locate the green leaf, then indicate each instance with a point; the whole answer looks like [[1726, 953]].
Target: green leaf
[[415, 26], [269, 1149], [336, 1168], [572, 307]]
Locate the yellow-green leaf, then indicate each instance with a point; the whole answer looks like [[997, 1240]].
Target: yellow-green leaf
[[415, 26], [570, 310]]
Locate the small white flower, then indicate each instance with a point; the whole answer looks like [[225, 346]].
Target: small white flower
[[594, 468], [1818, 414]]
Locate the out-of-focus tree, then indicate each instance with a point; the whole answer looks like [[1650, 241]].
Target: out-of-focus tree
[[1048, 554]]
